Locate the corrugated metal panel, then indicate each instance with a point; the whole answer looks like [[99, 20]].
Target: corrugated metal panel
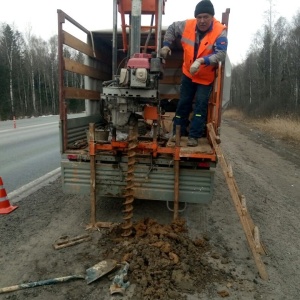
[[77, 127], [196, 186], [75, 177]]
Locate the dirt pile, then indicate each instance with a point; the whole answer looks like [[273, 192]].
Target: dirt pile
[[164, 262]]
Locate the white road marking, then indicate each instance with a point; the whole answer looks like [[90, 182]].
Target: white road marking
[[33, 186], [31, 126]]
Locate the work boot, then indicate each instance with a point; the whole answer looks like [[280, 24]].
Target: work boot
[[192, 142]]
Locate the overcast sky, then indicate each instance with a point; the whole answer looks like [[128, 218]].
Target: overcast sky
[[246, 17]]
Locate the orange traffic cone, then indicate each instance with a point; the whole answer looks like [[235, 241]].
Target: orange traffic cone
[[5, 207]]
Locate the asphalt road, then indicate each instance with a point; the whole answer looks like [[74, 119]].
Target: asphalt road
[[28, 151]]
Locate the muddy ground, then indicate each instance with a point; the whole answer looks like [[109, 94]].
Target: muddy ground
[[204, 255]]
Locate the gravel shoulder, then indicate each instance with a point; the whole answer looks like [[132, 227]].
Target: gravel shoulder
[[215, 262]]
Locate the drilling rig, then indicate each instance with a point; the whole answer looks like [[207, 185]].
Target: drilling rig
[[126, 82], [134, 92]]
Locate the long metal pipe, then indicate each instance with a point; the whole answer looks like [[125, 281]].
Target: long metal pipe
[[115, 39], [159, 22], [135, 34]]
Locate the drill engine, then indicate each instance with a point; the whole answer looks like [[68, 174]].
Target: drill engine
[[135, 87]]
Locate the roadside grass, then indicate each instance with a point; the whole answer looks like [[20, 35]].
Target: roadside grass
[[283, 128]]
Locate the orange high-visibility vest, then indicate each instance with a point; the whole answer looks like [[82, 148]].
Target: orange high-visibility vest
[[206, 74]]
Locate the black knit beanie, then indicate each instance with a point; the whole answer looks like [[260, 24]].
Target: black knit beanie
[[204, 6]]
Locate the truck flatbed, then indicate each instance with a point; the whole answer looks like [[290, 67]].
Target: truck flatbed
[[203, 146]]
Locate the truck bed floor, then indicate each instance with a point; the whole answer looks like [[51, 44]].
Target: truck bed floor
[[203, 146]]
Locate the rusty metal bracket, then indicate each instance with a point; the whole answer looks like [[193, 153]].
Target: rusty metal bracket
[[65, 241]]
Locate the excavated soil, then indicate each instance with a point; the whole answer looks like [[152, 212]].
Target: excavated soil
[[164, 261], [203, 255]]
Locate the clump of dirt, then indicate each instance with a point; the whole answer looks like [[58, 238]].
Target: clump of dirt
[[164, 261]]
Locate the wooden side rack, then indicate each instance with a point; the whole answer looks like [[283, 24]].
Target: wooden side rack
[[250, 229]]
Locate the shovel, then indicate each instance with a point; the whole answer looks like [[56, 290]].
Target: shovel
[[92, 274]]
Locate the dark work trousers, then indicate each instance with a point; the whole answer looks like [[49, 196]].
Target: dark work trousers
[[189, 90]]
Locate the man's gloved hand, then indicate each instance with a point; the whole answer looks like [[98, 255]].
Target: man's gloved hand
[[195, 66], [164, 51]]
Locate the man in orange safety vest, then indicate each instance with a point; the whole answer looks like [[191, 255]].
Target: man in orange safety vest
[[204, 42]]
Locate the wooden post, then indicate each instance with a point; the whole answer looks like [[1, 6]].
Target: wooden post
[[176, 173], [251, 231], [93, 172]]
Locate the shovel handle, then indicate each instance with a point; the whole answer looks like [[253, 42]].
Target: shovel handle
[[39, 283]]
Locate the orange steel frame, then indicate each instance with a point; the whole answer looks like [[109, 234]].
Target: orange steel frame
[[145, 147], [214, 114]]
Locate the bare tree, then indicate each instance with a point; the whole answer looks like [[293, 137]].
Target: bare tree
[[270, 14], [9, 44], [293, 63], [29, 39], [53, 52], [268, 81]]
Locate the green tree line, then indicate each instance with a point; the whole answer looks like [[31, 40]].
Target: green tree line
[[267, 82], [29, 75]]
